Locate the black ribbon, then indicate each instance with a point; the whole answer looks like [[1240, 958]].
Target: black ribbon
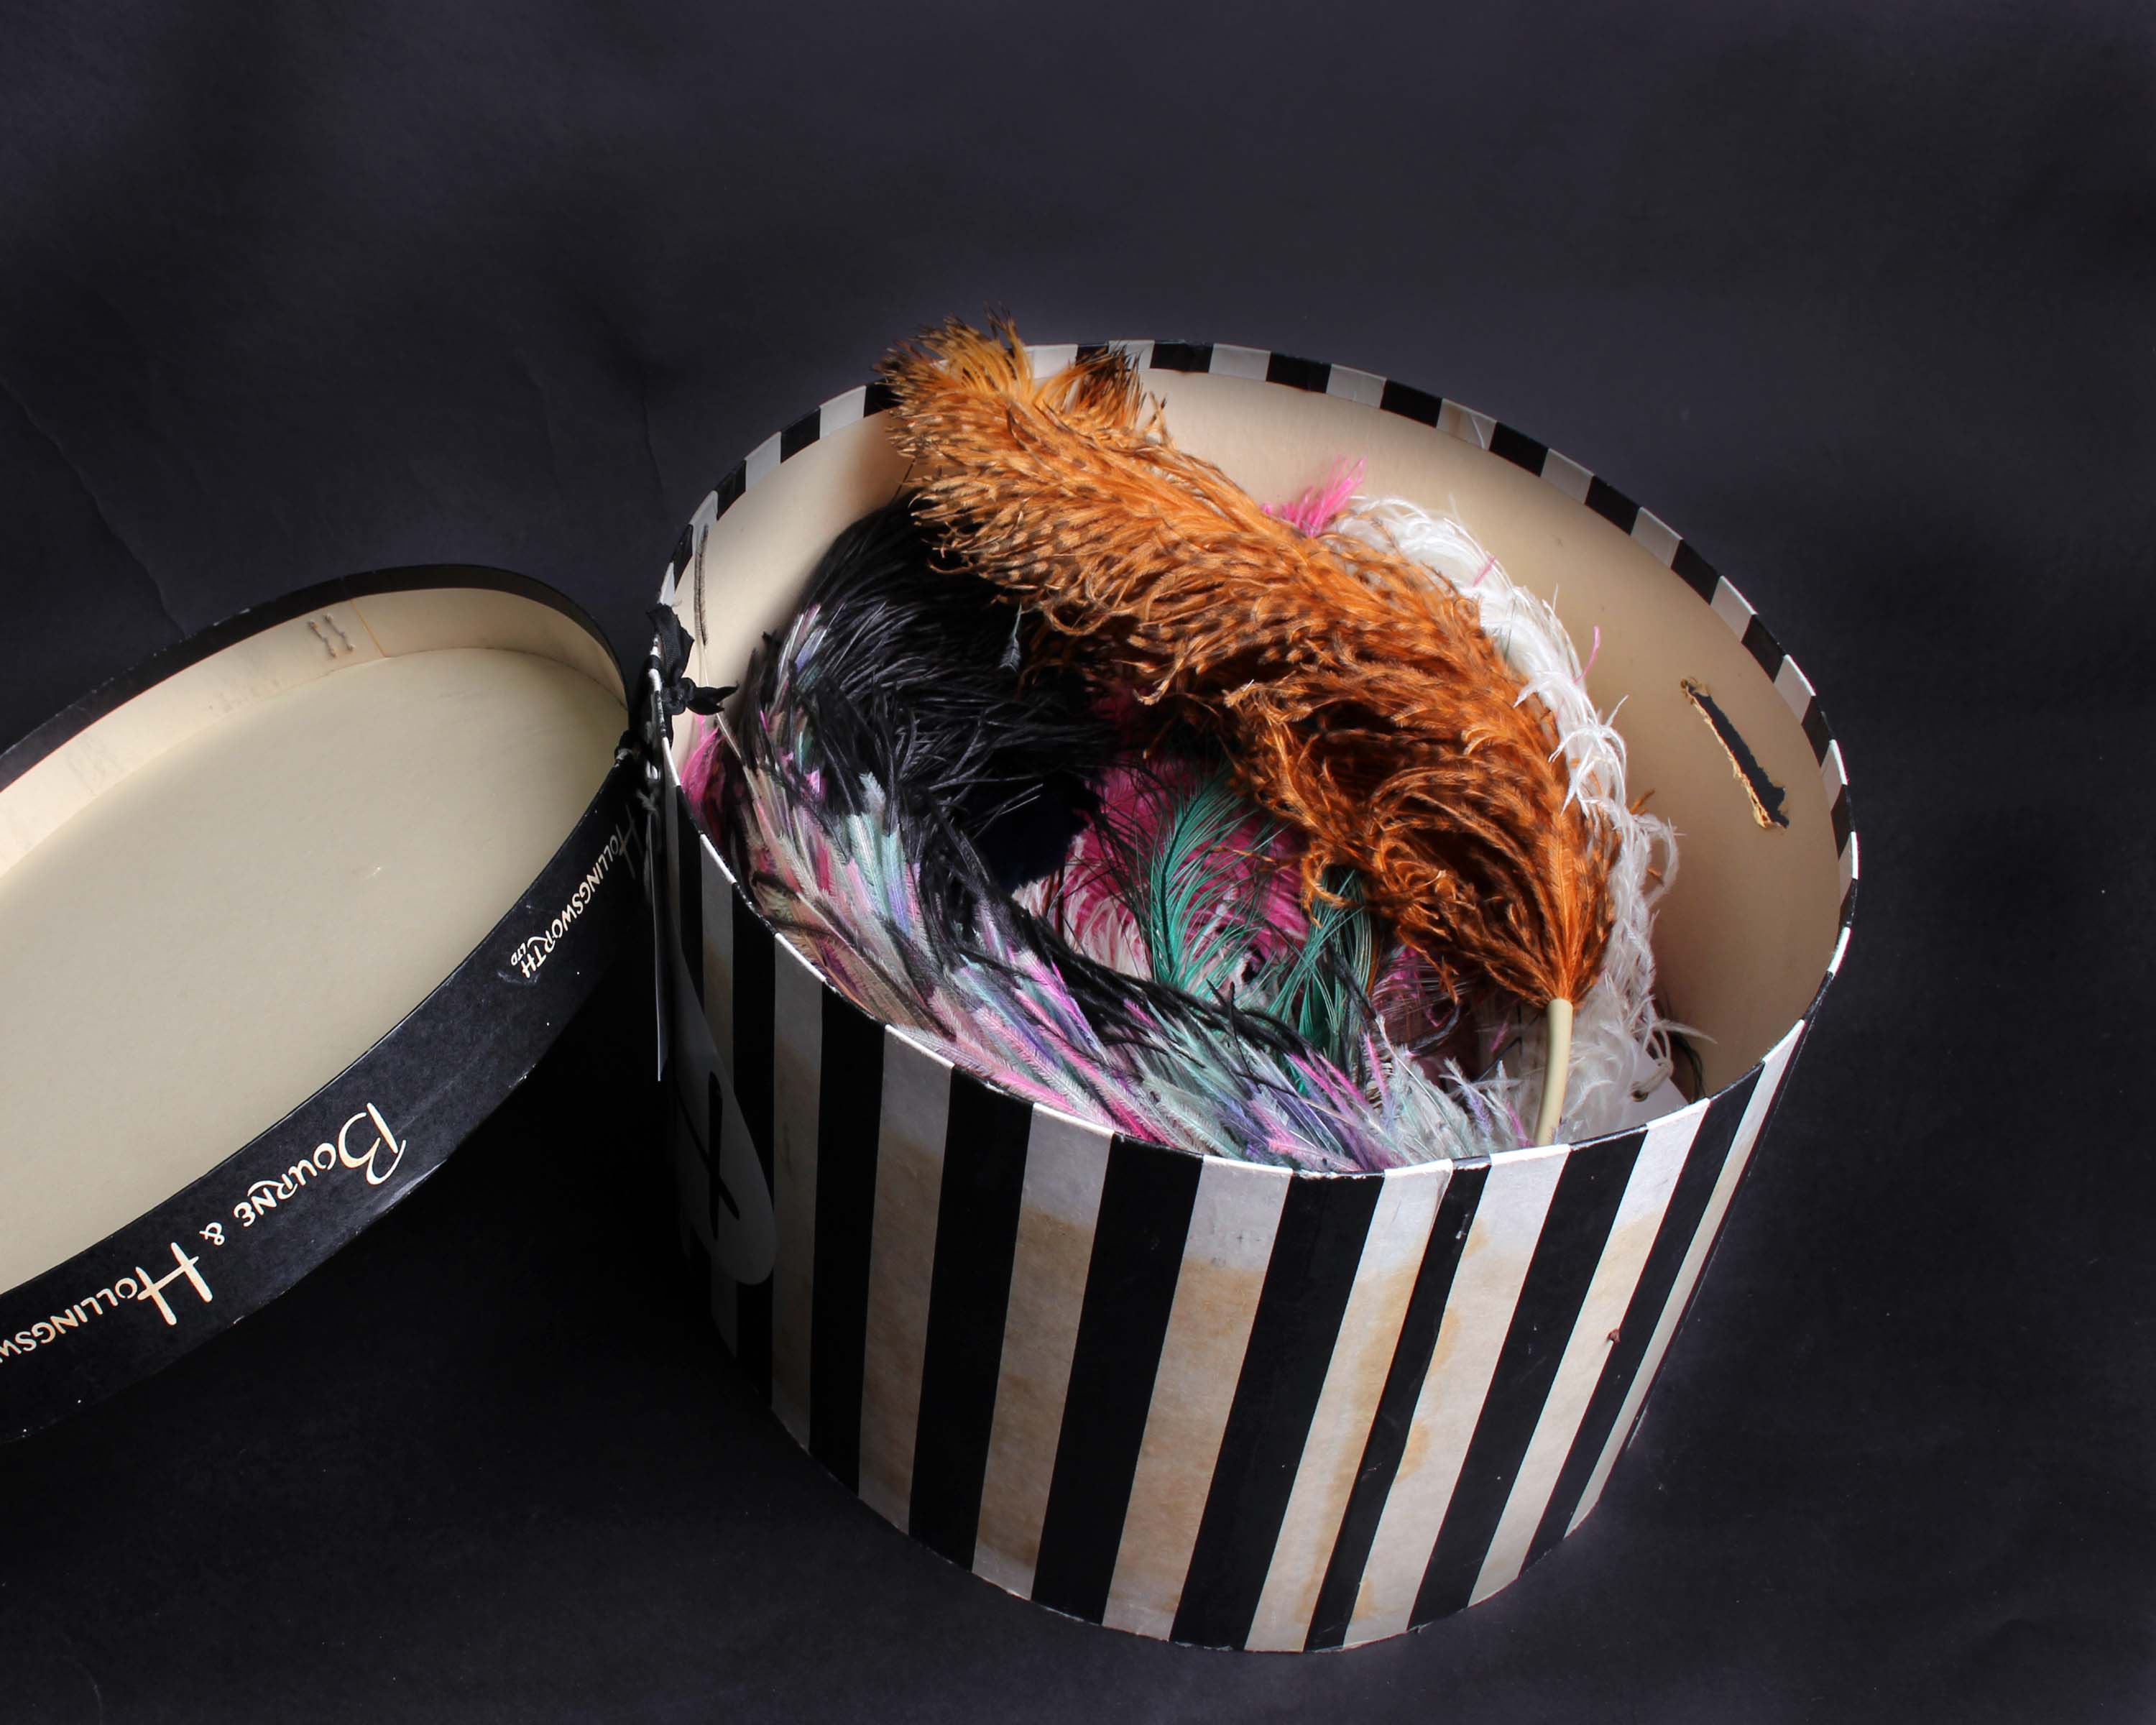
[[677, 692]]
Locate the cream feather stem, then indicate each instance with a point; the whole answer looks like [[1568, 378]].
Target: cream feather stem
[[1554, 1071]]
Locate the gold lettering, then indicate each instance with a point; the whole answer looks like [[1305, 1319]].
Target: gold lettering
[[384, 1137]]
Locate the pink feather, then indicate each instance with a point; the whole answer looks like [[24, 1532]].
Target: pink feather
[[1318, 508]]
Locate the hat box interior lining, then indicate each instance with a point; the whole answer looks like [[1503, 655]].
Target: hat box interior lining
[[215, 896]]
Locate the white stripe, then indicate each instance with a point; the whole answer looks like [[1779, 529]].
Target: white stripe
[[1466, 424], [1833, 775], [1066, 1162], [1347, 1405], [666, 588], [1639, 1215], [1046, 362], [1796, 688], [1848, 863], [1731, 606], [797, 1085], [707, 512], [1567, 475], [1486, 1289], [842, 411], [1232, 1224], [1656, 535], [916, 1107], [1840, 952], [1352, 385], [762, 462], [1232, 362], [1702, 1242]]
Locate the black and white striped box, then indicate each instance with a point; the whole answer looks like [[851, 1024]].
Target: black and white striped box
[[1198, 1399]]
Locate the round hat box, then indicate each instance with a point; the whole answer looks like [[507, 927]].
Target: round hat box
[[1189, 1397]]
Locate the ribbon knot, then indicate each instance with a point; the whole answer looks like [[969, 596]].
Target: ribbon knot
[[678, 692]]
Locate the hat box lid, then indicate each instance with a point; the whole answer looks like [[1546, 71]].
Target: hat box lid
[[284, 913]]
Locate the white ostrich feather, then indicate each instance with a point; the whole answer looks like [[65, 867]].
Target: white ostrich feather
[[1620, 1042]]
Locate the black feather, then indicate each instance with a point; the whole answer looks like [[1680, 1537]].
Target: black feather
[[918, 681]]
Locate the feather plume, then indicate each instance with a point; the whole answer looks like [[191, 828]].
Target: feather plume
[[1359, 700], [1621, 1043], [838, 795], [907, 677]]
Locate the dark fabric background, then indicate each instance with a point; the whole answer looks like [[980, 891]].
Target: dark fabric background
[[1859, 297]]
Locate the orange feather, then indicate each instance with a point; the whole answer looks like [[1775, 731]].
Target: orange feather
[[1356, 696]]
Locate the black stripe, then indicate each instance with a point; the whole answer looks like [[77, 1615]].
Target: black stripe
[[1310, 374], [1612, 504], [1658, 1275], [1559, 1276], [685, 550], [729, 490], [1316, 1254], [1816, 730], [696, 1270], [1394, 1418], [1699, 574], [878, 397], [715, 1193], [848, 1120], [1181, 357], [756, 981], [1517, 448], [1707, 1263], [1841, 818], [1760, 643], [1410, 402], [689, 870], [1145, 1204], [969, 1294], [703, 1137], [802, 433]]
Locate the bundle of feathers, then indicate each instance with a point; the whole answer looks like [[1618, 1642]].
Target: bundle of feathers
[[1269, 833]]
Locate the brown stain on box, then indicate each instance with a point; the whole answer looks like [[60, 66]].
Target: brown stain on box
[[902, 1257], [1348, 1405], [1449, 1328], [1216, 1299], [1039, 1332]]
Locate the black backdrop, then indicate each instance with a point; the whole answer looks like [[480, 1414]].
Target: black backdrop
[[1858, 297]]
